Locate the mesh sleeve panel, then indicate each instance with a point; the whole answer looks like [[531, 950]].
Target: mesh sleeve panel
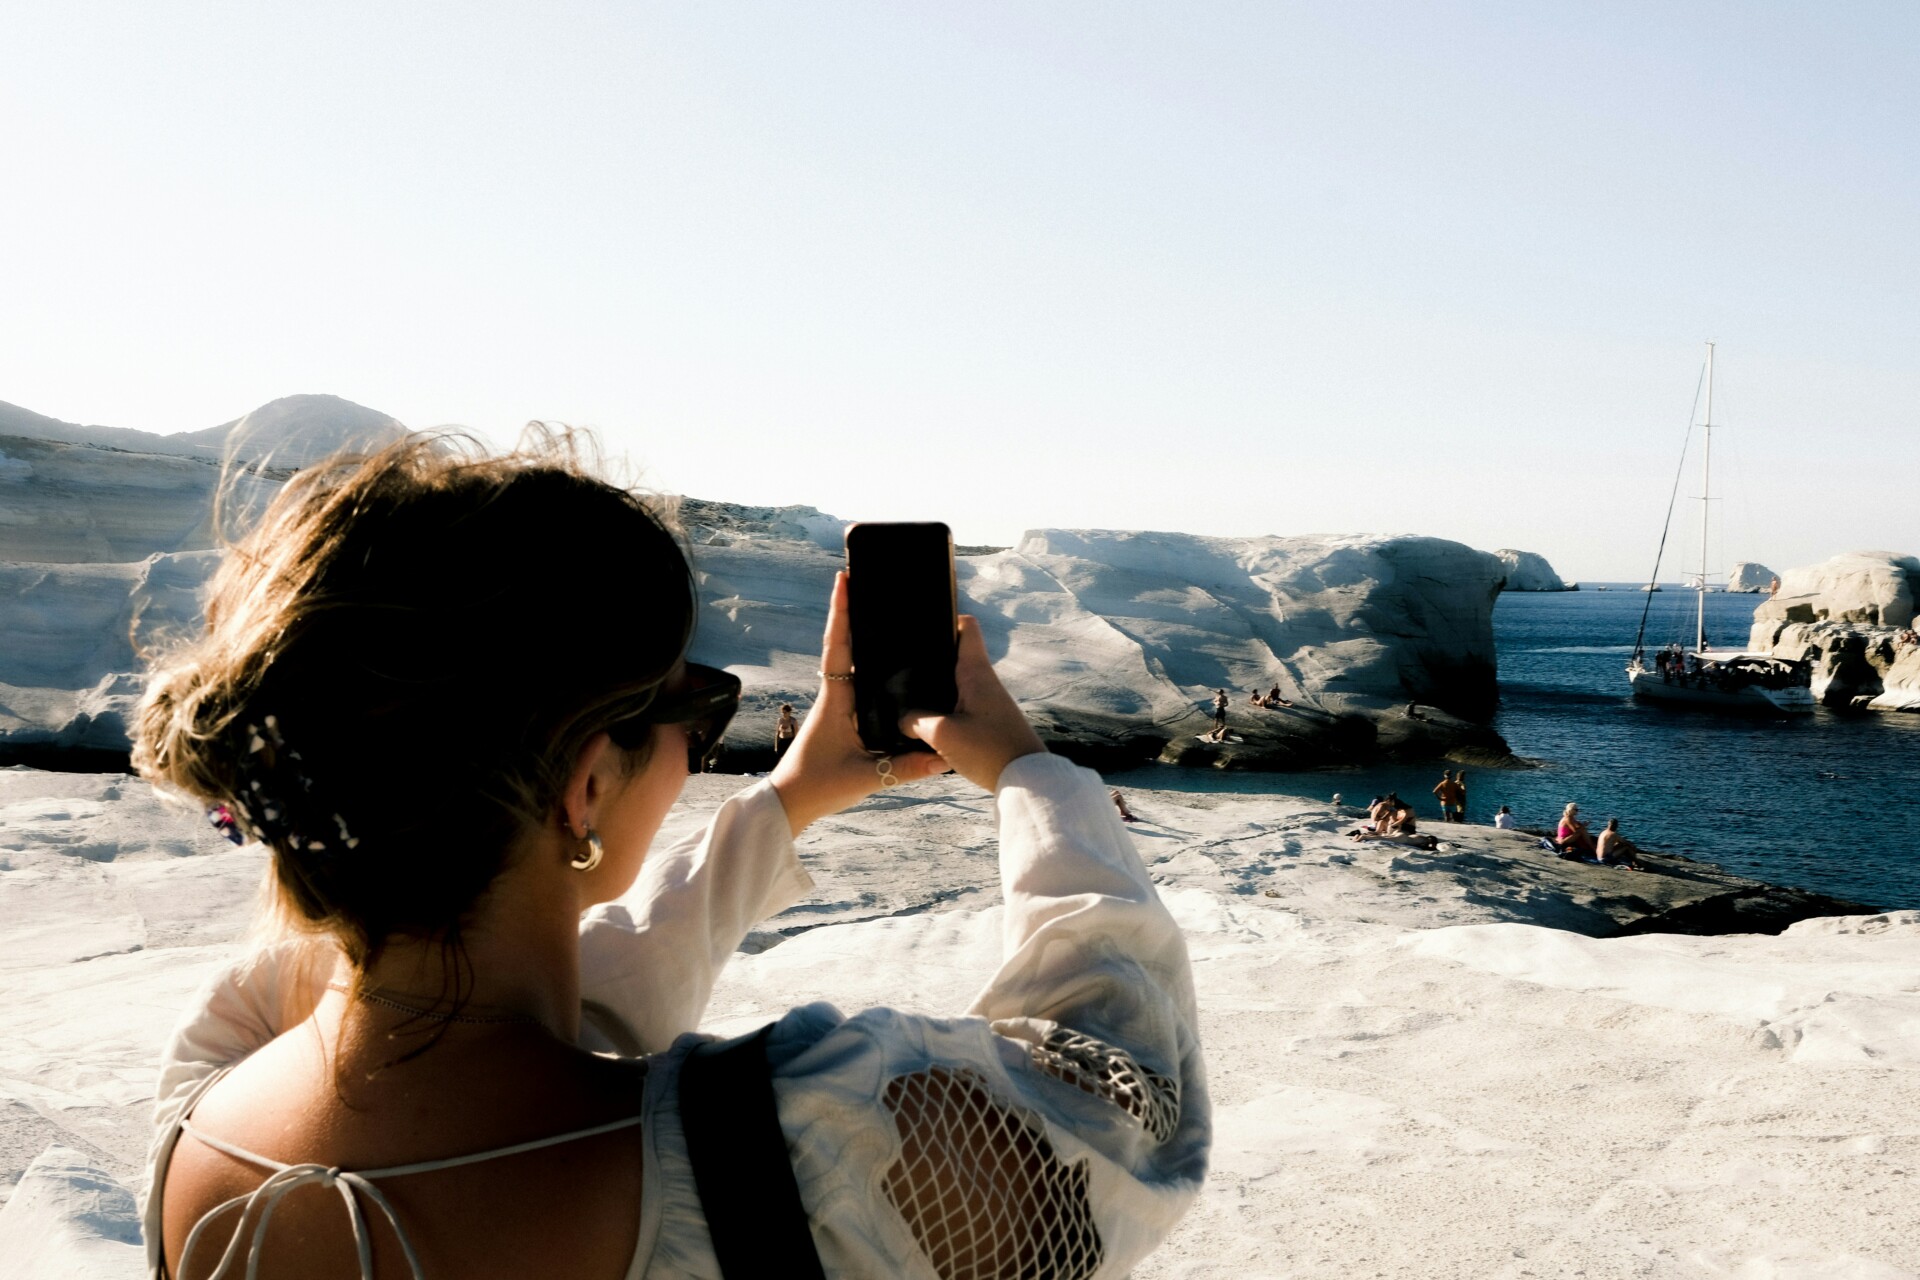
[[981, 1187], [1096, 1067]]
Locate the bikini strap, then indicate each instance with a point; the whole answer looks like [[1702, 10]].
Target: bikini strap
[[283, 1178]]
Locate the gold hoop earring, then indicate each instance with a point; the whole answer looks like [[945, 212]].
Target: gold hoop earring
[[596, 850]]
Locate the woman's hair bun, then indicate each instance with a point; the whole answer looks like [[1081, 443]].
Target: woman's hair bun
[[401, 661]]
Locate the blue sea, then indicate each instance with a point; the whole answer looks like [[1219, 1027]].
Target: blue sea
[[1827, 802]]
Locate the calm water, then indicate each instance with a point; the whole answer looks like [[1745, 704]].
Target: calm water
[[1826, 802]]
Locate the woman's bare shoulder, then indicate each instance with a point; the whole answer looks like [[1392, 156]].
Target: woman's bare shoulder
[[294, 1102]]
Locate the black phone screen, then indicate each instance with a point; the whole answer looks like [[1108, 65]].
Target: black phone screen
[[900, 596]]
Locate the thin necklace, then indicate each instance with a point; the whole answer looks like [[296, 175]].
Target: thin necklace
[[473, 1019]]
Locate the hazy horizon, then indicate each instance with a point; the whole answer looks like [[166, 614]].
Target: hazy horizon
[[1443, 269]]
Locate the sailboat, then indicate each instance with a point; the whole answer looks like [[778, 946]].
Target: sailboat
[[1730, 680]]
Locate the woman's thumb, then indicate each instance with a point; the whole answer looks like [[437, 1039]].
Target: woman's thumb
[[924, 725]]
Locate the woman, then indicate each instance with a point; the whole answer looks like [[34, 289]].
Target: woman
[[1573, 835], [450, 695], [785, 730]]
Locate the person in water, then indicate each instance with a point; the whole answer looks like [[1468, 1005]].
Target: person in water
[[1452, 797], [448, 693]]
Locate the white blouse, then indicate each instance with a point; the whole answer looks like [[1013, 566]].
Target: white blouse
[[1058, 1129]]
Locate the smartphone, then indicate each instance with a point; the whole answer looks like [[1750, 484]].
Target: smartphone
[[906, 628]]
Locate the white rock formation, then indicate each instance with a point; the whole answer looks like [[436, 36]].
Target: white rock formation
[[1748, 577], [1398, 1052], [286, 433], [76, 495], [1112, 639], [1877, 588], [103, 549], [71, 640], [1852, 617], [82, 504], [1529, 571], [1107, 635]]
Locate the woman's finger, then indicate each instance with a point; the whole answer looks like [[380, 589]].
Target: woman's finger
[[836, 649], [912, 766]]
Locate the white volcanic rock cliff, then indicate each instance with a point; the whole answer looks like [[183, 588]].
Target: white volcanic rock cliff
[[287, 433], [1114, 640], [1748, 577], [1852, 617], [105, 537], [1529, 571], [81, 495]]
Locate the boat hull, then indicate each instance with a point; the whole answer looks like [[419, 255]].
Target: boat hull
[[1748, 699]]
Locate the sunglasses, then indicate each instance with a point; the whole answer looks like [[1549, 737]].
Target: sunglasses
[[704, 703]]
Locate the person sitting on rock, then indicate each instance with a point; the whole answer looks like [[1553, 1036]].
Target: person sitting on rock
[[1573, 837], [1257, 698], [1379, 816], [1503, 820], [1275, 700], [1613, 847], [1378, 811], [1400, 827]]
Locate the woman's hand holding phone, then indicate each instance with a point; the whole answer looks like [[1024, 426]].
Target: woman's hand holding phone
[[986, 731], [827, 769]]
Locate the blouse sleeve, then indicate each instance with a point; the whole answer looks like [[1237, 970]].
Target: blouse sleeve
[[1060, 1131], [649, 959]]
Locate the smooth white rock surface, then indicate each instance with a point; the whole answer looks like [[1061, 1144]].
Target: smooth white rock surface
[[1410, 1082], [1529, 571], [1878, 588], [1852, 617]]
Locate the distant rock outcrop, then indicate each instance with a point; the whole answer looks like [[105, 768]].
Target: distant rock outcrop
[[1529, 571], [1852, 618], [1748, 577]]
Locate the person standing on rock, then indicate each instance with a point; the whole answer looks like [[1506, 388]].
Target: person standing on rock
[[785, 730], [1452, 797], [1219, 733]]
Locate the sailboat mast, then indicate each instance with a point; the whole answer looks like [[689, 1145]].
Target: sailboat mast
[[1706, 506]]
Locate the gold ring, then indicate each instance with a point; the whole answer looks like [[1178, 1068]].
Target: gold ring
[[834, 675], [884, 767]]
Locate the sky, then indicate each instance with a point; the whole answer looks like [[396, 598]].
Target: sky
[[1260, 268]]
